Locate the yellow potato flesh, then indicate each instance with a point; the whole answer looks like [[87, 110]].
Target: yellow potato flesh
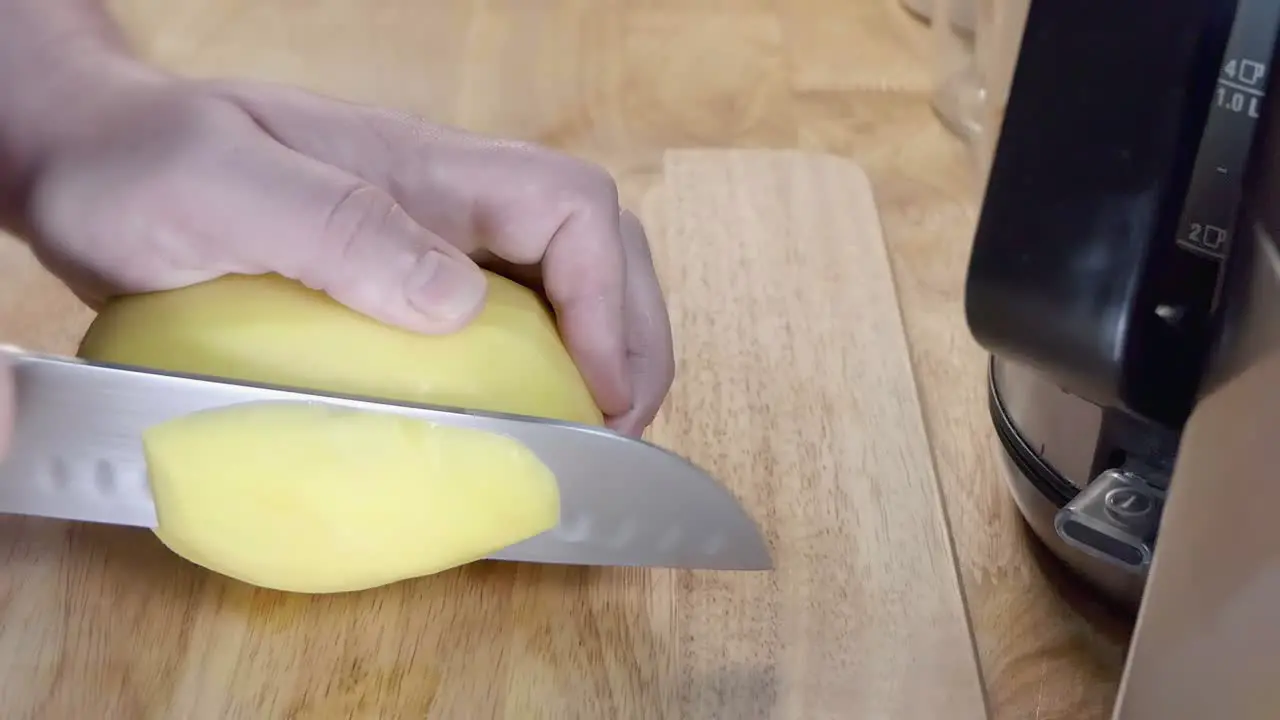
[[309, 498], [306, 498], [268, 329]]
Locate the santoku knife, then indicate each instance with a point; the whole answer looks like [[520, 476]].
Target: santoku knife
[[76, 454]]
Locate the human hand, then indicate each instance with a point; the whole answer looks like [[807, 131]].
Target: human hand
[[163, 182]]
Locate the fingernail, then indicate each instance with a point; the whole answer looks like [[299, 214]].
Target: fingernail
[[446, 289]]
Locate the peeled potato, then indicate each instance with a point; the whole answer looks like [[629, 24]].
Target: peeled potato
[[265, 328], [308, 498]]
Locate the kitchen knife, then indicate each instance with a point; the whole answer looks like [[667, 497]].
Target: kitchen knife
[[76, 454]]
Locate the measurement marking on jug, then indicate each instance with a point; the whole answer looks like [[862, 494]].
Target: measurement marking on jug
[[1205, 239], [1235, 100], [1248, 73], [1239, 87]]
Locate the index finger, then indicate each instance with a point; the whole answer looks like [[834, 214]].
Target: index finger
[[650, 354], [583, 274]]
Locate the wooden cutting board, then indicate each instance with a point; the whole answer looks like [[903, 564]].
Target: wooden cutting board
[[794, 387]]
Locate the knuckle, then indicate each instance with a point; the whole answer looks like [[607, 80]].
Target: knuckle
[[589, 198], [557, 209], [584, 185], [357, 211], [598, 188]]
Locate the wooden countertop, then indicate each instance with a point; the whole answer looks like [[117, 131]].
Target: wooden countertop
[[621, 82]]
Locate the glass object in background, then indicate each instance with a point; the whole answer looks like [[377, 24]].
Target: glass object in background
[[958, 91], [998, 29]]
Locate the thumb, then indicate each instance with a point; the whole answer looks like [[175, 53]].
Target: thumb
[[338, 234], [377, 260]]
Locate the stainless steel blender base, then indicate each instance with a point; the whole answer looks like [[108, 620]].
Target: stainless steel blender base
[[1041, 491]]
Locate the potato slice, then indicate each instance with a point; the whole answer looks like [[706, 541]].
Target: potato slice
[[308, 498]]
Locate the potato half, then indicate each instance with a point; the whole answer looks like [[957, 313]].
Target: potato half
[[309, 498]]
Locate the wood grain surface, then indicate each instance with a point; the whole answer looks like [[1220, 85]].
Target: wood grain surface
[[795, 387], [620, 82]]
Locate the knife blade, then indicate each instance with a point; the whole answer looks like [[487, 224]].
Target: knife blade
[[77, 454]]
